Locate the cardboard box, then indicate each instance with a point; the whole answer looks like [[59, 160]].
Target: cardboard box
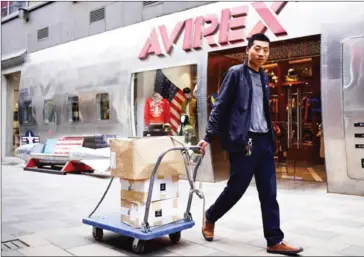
[[160, 213], [137, 190], [135, 158]]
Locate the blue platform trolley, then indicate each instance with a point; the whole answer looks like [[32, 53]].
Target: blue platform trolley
[[145, 232]]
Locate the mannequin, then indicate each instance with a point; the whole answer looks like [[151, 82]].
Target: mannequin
[[156, 111], [320, 134], [189, 107]]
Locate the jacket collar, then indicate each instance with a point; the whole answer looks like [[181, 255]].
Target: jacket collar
[[245, 66]]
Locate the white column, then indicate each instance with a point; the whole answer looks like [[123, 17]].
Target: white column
[[3, 112]]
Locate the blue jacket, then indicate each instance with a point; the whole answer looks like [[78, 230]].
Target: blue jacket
[[231, 114]]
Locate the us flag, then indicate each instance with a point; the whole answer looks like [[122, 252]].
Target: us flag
[[173, 94]]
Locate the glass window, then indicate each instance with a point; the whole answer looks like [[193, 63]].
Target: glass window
[[27, 112], [49, 111], [164, 102], [73, 109], [10, 7], [103, 106]]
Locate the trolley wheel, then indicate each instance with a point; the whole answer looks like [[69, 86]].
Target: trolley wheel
[[97, 233], [175, 237], [138, 246]]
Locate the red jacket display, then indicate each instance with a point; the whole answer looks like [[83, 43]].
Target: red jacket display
[[156, 112]]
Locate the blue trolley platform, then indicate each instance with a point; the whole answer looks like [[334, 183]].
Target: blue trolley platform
[[114, 224]]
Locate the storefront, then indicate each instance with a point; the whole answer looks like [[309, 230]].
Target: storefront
[[295, 102], [158, 70], [10, 81]]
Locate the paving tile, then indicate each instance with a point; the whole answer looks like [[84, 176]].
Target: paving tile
[[34, 240], [319, 252], [313, 232], [35, 226], [48, 250], [350, 239], [240, 236], [186, 248], [265, 253], [234, 247], [304, 217], [94, 250], [195, 236], [11, 253], [69, 241], [6, 237], [353, 250], [218, 253], [11, 230]]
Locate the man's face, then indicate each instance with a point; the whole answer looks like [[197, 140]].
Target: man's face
[[258, 53]]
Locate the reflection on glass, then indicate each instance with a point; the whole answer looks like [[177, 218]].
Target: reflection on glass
[[73, 109], [28, 112], [49, 111], [353, 74], [103, 106], [162, 97]]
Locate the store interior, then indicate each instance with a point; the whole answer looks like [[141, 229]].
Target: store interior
[[293, 69]]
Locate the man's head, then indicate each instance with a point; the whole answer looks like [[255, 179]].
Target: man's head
[[187, 92], [258, 49]]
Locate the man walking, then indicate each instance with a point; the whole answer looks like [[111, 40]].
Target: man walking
[[241, 118]]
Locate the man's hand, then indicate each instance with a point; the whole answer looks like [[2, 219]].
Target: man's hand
[[202, 144]]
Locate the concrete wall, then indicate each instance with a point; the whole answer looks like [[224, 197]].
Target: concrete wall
[[69, 21]]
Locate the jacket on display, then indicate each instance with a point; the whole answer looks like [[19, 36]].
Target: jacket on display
[[156, 112]]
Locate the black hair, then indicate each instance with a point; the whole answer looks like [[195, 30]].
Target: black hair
[[258, 36], [186, 90]]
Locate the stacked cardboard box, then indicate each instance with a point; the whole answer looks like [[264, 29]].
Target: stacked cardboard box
[[133, 160]]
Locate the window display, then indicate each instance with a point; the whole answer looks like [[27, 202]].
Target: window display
[[49, 111], [103, 106], [165, 103], [73, 109]]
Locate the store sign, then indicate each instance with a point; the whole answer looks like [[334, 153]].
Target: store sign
[[359, 146], [230, 29], [359, 135], [359, 124]]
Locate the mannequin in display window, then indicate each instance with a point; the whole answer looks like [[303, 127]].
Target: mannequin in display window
[[320, 134], [157, 112], [189, 107]]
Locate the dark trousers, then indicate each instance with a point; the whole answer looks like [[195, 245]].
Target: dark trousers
[[242, 168]]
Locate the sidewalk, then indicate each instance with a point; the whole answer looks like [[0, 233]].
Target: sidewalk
[[45, 212]]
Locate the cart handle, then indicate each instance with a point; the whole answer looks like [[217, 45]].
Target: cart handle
[[145, 226]]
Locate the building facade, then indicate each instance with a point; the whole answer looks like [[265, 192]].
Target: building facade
[[31, 26], [105, 83]]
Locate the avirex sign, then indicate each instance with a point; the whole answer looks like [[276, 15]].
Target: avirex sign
[[230, 29]]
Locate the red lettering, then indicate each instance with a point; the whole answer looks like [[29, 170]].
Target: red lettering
[[169, 42], [224, 27], [269, 19], [197, 37], [231, 29], [237, 24], [151, 46], [210, 31], [188, 35]]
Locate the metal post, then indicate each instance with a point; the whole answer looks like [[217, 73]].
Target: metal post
[[189, 204], [145, 225]]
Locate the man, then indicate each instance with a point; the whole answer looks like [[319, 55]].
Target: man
[[189, 107], [241, 117]]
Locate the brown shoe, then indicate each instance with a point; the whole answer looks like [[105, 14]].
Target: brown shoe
[[208, 230], [284, 248]]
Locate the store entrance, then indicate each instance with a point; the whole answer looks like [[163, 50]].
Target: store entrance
[[295, 103]]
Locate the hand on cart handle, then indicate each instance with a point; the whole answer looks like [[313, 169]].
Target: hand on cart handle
[[202, 144]]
